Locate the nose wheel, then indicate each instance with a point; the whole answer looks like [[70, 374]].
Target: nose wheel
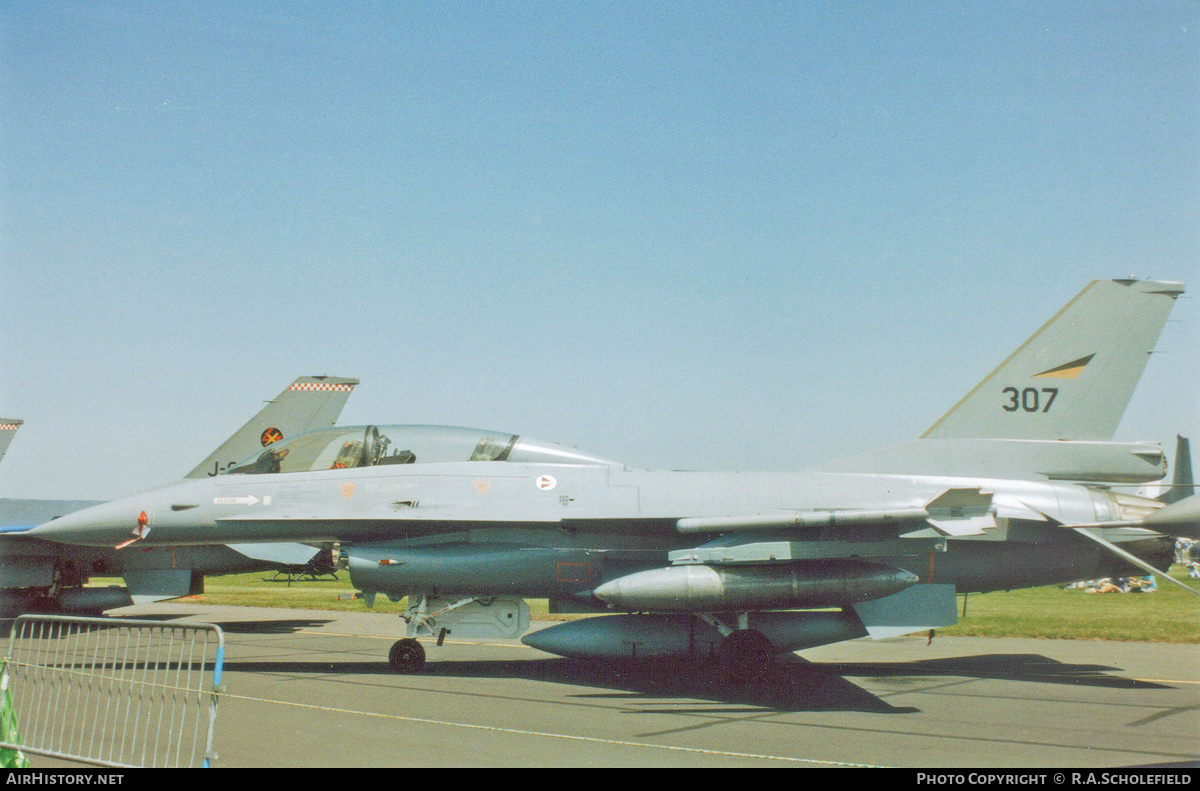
[[407, 656]]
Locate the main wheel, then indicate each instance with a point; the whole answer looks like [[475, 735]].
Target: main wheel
[[407, 656], [745, 655]]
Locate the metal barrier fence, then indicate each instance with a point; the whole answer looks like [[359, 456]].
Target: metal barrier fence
[[113, 692]]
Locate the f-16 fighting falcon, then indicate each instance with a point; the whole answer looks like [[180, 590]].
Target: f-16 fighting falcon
[[1011, 488]]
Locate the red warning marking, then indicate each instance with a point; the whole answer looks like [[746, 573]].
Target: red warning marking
[[139, 532], [340, 388], [573, 572]]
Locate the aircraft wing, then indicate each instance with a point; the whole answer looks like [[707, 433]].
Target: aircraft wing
[[954, 512]]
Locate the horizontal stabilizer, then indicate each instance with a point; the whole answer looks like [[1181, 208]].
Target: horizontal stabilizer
[[1177, 519], [1181, 518], [917, 609]]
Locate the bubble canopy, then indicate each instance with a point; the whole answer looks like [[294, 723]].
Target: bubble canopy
[[344, 447]]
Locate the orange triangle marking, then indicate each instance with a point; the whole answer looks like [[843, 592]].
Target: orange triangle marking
[[1066, 371]]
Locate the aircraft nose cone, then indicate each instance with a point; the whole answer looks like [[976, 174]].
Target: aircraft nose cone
[[107, 524]]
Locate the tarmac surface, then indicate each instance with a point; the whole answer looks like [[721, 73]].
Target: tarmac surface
[[313, 688]]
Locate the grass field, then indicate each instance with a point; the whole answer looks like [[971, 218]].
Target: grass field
[[1169, 615]]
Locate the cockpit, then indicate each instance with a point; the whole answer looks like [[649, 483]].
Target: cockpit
[[347, 447]]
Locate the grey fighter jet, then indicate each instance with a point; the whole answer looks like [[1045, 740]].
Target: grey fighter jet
[[1010, 488], [39, 574]]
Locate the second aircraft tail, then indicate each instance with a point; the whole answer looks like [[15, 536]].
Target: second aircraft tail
[[8, 430], [310, 402]]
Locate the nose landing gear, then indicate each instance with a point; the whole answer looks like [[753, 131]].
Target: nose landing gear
[[407, 656]]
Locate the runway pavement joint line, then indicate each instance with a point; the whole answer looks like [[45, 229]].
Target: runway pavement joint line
[[546, 735]]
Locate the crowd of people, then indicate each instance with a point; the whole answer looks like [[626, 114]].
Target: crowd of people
[[1187, 554], [1145, 584]]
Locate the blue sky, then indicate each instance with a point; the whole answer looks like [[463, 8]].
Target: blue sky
[[717, 236]]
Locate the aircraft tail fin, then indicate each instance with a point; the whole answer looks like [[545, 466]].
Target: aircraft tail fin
[[1182, 483], [8, 430], [1074, 377], [310, 402]]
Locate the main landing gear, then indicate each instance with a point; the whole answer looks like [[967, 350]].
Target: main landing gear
[[745, 655]]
